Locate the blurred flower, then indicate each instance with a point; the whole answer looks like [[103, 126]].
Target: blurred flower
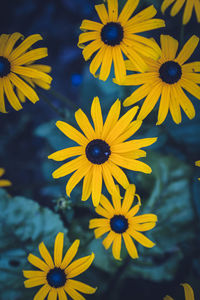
[[189, 294], [4, 182], [56, 276], [120, 221], [189, 6], [17, 69], [167, 78], [102, 149], [117, 35], [197, 163]]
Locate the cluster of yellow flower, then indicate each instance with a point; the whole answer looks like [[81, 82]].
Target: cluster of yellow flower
[[103, 149]]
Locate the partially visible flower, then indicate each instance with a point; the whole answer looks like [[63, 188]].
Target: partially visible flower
[[57, 275], [167, 79], [119, 221], [4, 182], [102, 150], [189, 294], [197, 163], [117, 35], [189, 6], [19, 71]]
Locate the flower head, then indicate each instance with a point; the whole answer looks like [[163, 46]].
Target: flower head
[[117, 35], [119, 221], [57, 276], [167, 79], [189, 294], [197, 163], [189, 6], [4, 182], [101, 151], [18, 70]]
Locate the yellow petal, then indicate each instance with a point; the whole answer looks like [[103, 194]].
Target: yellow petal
[[130, 164], [174, 106], [138, 94], [106, 63], [86, 37], [116, 247], [96, 184], [100, 231], [70, 254], [66, 153], [142, 239], [52, 294], [84, 124], [128, 198], [81, 287], [106, 204], [108, 179], [13, 38], [2, 100], [42, 293], [136, 59], [191, 87], [13, 100], [150, 101], [24, 88], [91, 48], [58, 249], [79, 266], [185, 103], [109, 239], [29, 283], [32, 73], [130, 130], [119, 64], [166, 4], [119, 175], [87, 186], [100, 222], [46, 255], [90, 25], [169, 46], [4, 183], [143, 15], [77, 176], [102, 13], [197, 163], [2, 171], [132, 145], [61, 294], [144, 227], [177, 7], [72, 133], [130, 246], [168, 298], [34, 274], [113, 10], [97, 60], [3, 42], [97, 118], [69, 167], [73, 293], [189, 294], [187, 50], [164, 104], [112, 118], [25, 45], [127, 11]]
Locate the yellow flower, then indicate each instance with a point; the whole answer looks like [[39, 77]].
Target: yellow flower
[[167, 79], [17, 70], [189, 6], [101, 150], [56, 276], [118, 35], [4, 182], [197, 163], [120, 221], [189, 294]]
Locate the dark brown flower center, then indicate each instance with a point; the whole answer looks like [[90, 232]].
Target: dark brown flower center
[[170, 72], [97, 151], [112, 33], [119, 224], [4, 66], [56, 278]]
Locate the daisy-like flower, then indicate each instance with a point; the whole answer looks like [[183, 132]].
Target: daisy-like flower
[[4, 182], [101, 151], [189, 6], [197, 163], [166, 80], [118, 35], [119, 221], [57, 276], [19, 71], [189, 294]]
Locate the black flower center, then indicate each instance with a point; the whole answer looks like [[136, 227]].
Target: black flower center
[[56, 277], [119, 224], [4, 66], [97, 151], [170, 72], [112, 33]]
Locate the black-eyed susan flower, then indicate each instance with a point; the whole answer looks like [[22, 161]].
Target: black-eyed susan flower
[[117, 35], [102, 150], [167, 79], [19, 71], [121, 223], [197, 163], [189, 294], [4, 182], [56, 276], [178, 4]]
